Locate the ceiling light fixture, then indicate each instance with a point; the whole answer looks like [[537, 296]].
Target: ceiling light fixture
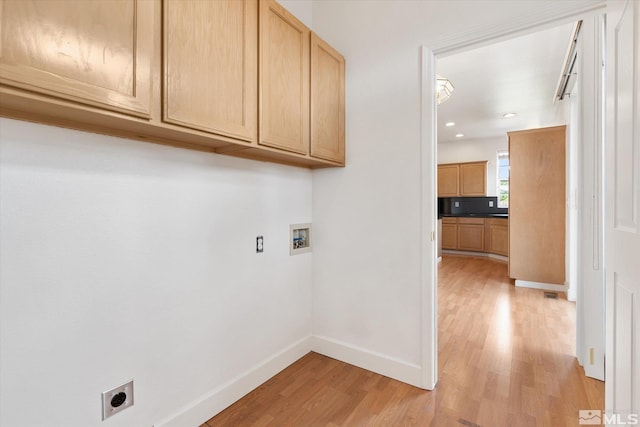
[[444, 89], [449, 124], [509, 115], [459, 135]]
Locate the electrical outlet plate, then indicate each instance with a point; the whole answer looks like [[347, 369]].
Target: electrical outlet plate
[[117, 399], [259, 244]]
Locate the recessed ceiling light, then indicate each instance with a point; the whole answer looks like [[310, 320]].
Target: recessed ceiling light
[[509, 115], [449, 124], [459, 135]]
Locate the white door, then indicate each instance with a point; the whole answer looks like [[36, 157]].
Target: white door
[[622, 232]]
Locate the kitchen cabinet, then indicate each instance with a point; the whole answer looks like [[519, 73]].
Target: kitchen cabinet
[[231, 77], [448, 180], [537, 205], [96, 53], [488, 235], [283, 80], [462, 179], [465, 234], [449, 233], [473, 179], [497, 236], [327, 101], [471, 234], [210, 66]]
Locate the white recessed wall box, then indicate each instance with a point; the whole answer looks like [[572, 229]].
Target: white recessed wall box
[[299, 238]]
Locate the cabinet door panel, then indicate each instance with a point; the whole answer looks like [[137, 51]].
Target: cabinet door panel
[[499, 239], [210, 66], [471, 237], [473, 179], [448, 185], [327, 101], [284, 79], [449, 236], [93, 52]]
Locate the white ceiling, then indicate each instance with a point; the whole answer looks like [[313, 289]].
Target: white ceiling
[[518, 75]]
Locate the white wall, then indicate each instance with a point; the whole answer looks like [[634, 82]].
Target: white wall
[[301, 9], [122, 259], [476, 150]]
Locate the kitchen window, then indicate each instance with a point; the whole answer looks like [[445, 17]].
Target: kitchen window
[[503, 179]]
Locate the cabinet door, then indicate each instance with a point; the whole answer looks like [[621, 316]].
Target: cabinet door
[[95, 52], [471, 237], [473, 179], [283, 79], [449, 236], [210, 66], [327, 101], [499, 238], [448, 185]]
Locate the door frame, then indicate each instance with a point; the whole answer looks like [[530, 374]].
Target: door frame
[[554, 15]]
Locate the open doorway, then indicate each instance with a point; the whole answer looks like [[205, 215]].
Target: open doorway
[[431, 67]]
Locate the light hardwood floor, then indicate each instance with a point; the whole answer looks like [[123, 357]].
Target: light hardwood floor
[[505, 359]]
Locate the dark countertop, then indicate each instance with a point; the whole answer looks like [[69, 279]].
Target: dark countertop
[[473, 215]]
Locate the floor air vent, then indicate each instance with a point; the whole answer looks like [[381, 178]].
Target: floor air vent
[[552, 295]]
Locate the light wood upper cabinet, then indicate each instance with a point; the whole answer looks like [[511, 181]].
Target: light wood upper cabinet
[[210, 66], [231, 77], [473, 179], [284, 79], [448, 180], [327, 101], [94, 52], [462, 179]]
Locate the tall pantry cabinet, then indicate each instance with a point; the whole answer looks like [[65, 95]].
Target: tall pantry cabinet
[[537, 205]]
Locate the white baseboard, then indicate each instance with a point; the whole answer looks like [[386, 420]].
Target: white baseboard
[[200, 410], [540, 285], [499, 257], [369, 360], [214, 402], [479, 254]]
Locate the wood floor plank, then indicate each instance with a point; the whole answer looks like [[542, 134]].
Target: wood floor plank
[[505, 359]]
